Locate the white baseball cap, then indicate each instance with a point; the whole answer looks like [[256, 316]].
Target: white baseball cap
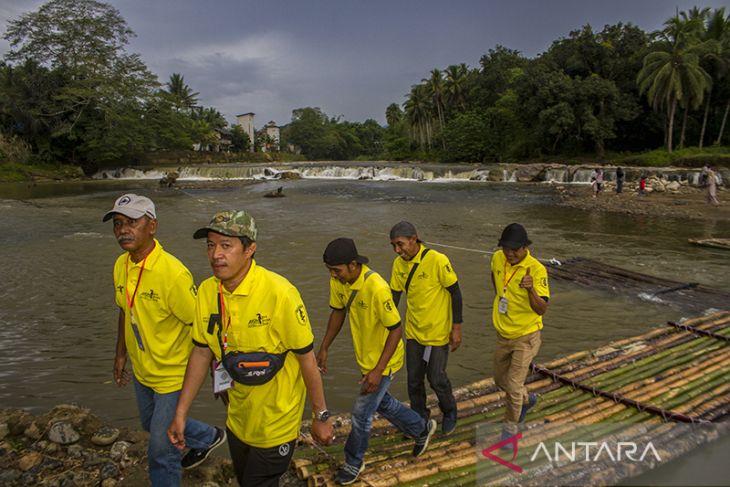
[[133, 206]]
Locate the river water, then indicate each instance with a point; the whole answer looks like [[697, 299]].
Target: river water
[[57, 311]]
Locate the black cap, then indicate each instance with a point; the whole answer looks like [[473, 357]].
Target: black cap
[[403, 229], [514, 236], [342, 251]]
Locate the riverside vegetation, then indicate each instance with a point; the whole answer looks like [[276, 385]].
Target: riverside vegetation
[[71, 93]]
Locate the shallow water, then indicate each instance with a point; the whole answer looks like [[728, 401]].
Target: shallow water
[[57, 311]]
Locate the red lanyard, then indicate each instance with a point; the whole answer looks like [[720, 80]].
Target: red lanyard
[[223, 319], [130, 302], [505, 277]]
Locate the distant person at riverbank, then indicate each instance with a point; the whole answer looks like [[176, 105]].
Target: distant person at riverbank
[[620, 177], [253, 322], [156, 298], [521, 295], [433, 319], [596, 181], [376, 336], [642, 185], [712, 187]]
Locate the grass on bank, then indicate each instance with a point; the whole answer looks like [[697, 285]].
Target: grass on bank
[[689, 157]]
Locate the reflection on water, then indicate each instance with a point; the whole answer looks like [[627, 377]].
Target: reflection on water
[[57, 311]]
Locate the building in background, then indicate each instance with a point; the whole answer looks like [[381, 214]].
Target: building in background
[[245, 120]]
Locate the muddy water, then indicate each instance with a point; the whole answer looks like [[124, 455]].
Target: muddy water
[[58, 317]]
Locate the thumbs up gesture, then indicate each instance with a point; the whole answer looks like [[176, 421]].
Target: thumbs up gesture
[[526, 282]]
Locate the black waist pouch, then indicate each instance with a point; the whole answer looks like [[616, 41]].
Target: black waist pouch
[[253, 368]]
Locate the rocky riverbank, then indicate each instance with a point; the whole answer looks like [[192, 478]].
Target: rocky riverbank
[[664, 198], [70, 446]]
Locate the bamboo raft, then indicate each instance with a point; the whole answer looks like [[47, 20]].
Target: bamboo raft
[[717, 243], [689, 297], [675, 373]]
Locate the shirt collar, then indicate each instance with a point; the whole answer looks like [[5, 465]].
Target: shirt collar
[[152, 257], [523, 263], [244, 287], [357, 285]]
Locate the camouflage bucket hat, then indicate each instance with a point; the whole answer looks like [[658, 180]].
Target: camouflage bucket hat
[[230, 223]]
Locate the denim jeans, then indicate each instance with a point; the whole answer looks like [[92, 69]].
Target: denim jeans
[[156, 412], [435, 370], [401, 416]]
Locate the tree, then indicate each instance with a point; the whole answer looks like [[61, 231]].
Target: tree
[[671, 74], [455, 86], [393, 114], [418, 109], [240, 142], [183, 96], [83, 42]]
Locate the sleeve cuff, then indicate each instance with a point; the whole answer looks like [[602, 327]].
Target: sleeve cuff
[[393, 327], [198, 344], [305, 350]]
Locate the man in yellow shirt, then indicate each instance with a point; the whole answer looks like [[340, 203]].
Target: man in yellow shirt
[[254, 323], [433, 319], [156, 298], [521, 296], [376, 336]]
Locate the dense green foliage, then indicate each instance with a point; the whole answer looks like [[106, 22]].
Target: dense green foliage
[[70, 92]]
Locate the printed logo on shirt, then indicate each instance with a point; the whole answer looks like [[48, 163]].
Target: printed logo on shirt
[[362, 305], [448, 268], [341, 296], [193, 290], [402, 275], [423, 275], [120, 289], [388, 305], [301, 315], [543, 281], [260, 320], [150, 295]]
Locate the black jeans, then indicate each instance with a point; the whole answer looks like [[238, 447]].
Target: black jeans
[[260, 467], [435, 370]]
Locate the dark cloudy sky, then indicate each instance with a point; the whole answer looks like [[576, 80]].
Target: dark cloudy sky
[[349, 57]]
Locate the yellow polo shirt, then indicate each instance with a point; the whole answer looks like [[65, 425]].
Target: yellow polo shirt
[[371, 314], [267, 315], [520, 319], [428, 318], [163, 307]]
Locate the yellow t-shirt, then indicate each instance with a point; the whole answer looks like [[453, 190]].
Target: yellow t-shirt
[[428, 318], [371, 314], [520, 319], [267, 315], [163, 309]]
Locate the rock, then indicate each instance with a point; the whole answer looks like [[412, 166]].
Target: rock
[[496, 175], [19, 422], [4, 430], [7, 477], [289, 175], [109, 470], [92, 459], [52, 448], [105, 436], [673, 186], [33, 432], [29, 460], [108, 482], [63, 433], [119, 450], [42, 445], [658, 186], [75, 451]]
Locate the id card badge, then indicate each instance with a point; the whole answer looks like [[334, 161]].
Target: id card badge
[[427, 353], [221, 379], [135, 329], [503, 305]]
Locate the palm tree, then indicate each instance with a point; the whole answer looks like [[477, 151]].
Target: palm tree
[[393, 114], [456, 76], [185, 98], [418, 110], [672, 74], [435, 85], [716, 56]]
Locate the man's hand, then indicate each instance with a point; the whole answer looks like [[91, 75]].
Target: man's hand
[[322, 360], [370, 381], [176, 432], [322, 432], [121, 376], [455, 338], [526, 282]]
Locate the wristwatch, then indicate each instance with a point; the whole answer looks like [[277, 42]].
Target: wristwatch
[[321, 416]]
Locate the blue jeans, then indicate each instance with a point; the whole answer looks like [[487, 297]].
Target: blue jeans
[[402, 417], [156, 412]]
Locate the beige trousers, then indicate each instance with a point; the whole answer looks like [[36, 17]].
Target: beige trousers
[[511, 365]]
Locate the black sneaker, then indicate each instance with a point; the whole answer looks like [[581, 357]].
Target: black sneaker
[[196, 456], [531, 401], [448, 424], [348, 474], [422, 441]]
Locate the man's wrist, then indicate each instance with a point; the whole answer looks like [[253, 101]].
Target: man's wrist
[[321, 416]]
